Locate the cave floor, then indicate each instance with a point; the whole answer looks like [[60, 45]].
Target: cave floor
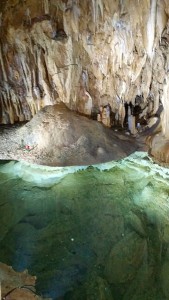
[[11, 147]]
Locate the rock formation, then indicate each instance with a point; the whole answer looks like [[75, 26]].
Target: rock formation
[[57, 136], [85, 54], [17, 286]]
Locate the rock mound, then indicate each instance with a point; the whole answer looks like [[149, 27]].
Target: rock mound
[[57, 136]]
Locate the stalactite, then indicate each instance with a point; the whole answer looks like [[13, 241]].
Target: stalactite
[[76, 15], [0, 19], [24, 72], [107, 43], [97, 11], [100, 6], [3, 119], [151, 25], [41, 78], [138, 67], [46, 6], [73, 10], [13, 97], [121, 113], [85, 79], [28, 16], [88, 104], [32, 106], [94, 11], [20, 109], [2, 66], [7, 110]]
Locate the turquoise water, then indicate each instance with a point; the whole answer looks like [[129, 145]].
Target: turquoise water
[[97, 232]]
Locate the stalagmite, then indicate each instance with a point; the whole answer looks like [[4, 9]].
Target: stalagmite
[[131, 122], [122, 113]]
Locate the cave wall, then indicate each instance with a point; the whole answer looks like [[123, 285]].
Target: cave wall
[[83, 53]]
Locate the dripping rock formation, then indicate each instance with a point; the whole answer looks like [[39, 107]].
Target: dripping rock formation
[[86, 54]]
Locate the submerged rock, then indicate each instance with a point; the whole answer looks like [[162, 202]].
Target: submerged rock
[[98, 289], [85, 236], [134, 221], [125, 259]]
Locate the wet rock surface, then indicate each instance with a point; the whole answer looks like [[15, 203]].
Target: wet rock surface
[[17, 286]]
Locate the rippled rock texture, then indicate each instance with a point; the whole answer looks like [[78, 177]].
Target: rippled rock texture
[[99, 233]]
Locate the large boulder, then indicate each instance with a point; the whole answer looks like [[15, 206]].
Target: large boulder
[[57, 136]]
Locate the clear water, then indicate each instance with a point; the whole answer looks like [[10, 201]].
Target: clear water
[[96, 233]]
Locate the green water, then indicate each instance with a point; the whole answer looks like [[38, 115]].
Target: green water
[[101, 233]]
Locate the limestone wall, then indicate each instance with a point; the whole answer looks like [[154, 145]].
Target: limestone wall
[[83, 53]]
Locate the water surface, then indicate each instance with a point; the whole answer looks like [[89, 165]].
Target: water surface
[[97, 232]]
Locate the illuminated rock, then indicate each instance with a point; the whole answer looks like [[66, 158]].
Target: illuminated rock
[[81, 52], [17, 285], [57, 136]]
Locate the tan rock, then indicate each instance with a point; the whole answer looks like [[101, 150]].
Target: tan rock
[[79, 53], [17, 286]]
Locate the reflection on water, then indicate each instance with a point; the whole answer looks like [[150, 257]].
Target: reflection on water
[[96, 233]]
